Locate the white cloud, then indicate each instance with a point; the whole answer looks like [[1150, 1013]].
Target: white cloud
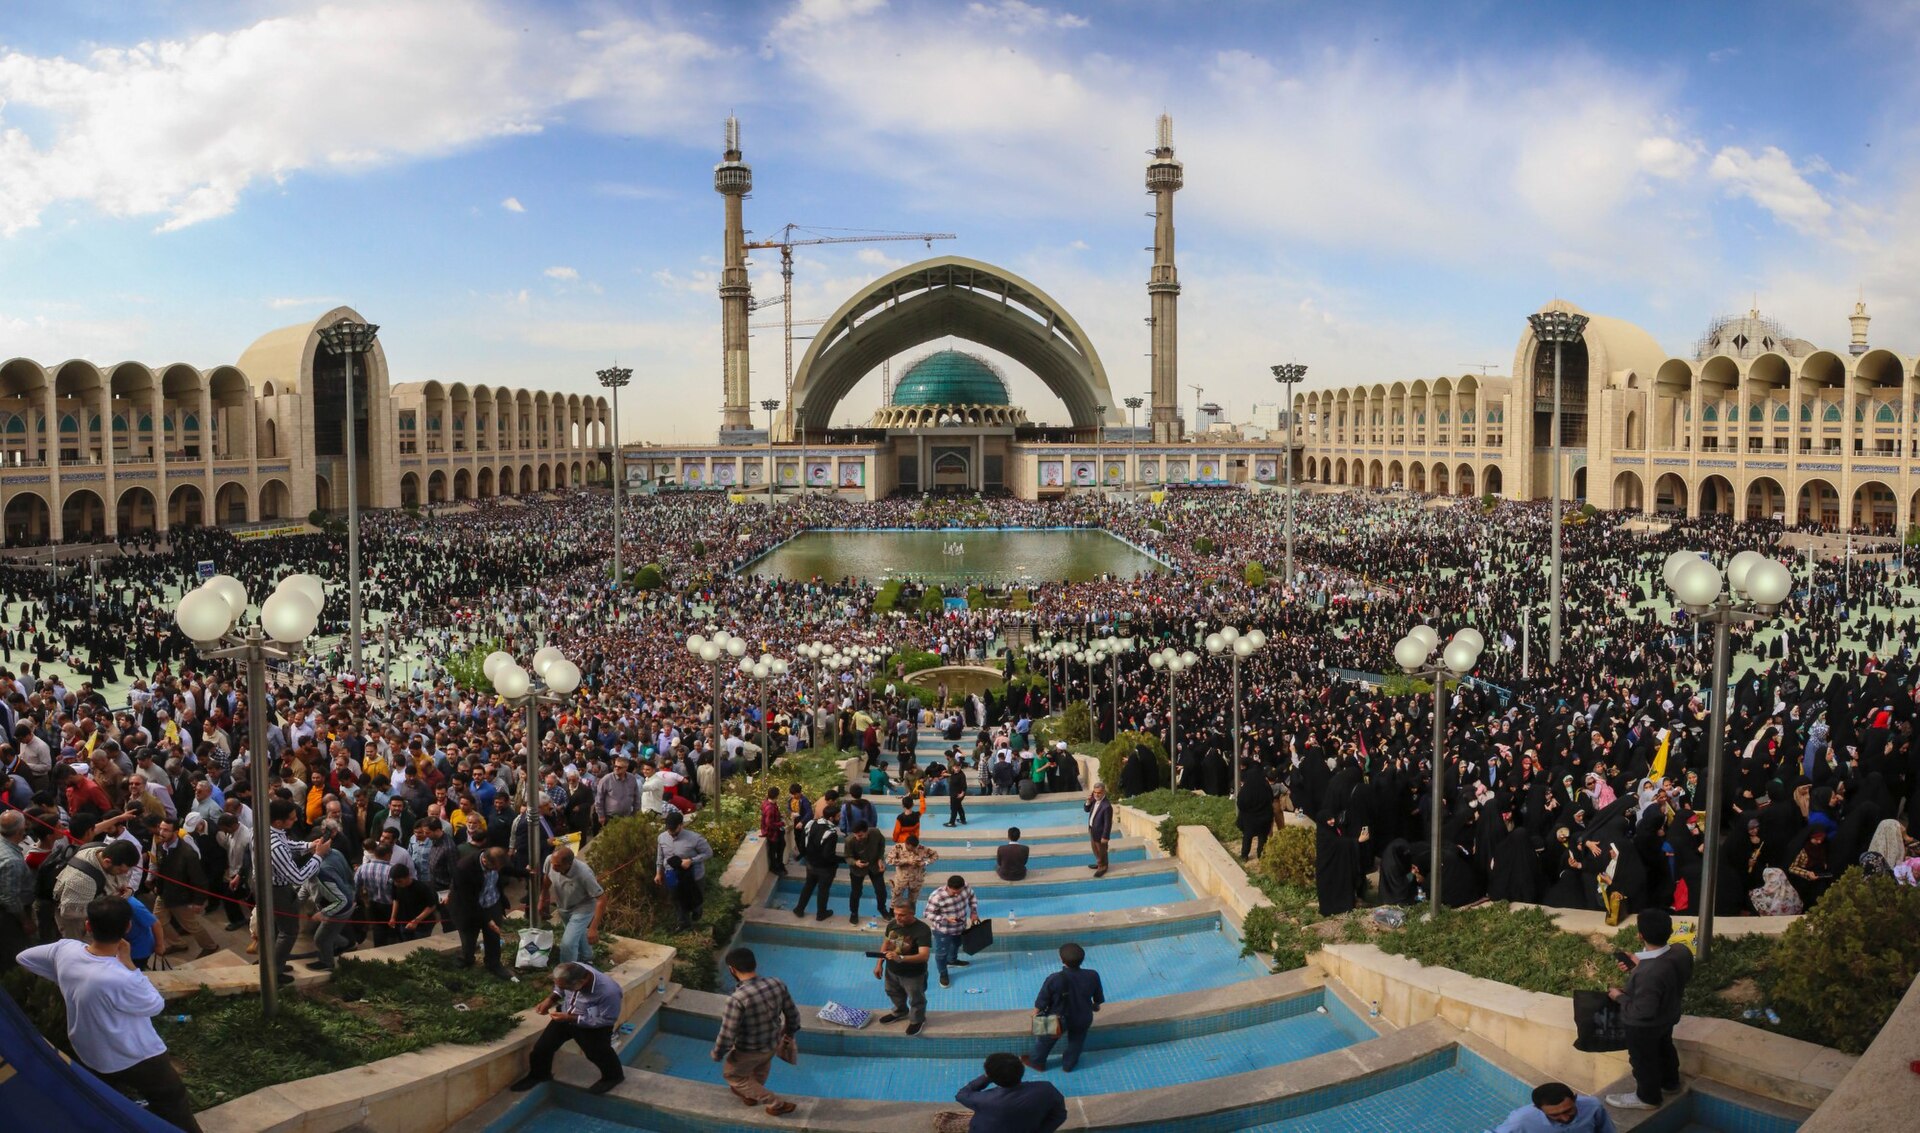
[[512, 204], [284, 303], [181, 128], [807, 15], [1770, 180], [1018, 17], [1666, 157], [561, 272]]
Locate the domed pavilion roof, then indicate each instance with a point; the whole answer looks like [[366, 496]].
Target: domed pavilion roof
[[949, 377]]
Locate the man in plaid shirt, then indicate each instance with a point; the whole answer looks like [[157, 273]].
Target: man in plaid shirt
[[759, 1021], [951, 910]]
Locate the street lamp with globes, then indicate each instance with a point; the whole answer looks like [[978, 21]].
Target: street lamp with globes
[[1173, 662], [1760, 584], [553, 680], [208, 617], [714, 651], [1229, 640], [1414, 655], [761, 669], [347, 339]]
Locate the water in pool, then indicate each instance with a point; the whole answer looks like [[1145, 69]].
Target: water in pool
[[954, 556]]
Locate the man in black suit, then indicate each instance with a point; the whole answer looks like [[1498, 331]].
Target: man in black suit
[[1099, 827], [1649, 1008], [477, 906]]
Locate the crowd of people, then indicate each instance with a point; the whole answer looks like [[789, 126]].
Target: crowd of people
[[398, 800]]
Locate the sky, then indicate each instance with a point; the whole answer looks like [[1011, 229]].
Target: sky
[[522, 192]]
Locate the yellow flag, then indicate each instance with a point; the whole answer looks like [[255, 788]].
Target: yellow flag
[[1659, 769]]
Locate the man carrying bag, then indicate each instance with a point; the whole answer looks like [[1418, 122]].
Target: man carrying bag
[[1066, 1004]]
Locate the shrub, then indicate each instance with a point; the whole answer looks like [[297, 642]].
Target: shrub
[[1400, 684], [467, 669], [1184, 808], [1843, 967], [1913, 536], [623, 855], [1159, 525], [318, 518], [1589, 511], [1120, 747], [1286, 940], [1288, 856], [1489, 501], [933, 600], [699, 549], [911, 660], [650, 577], [1204, 546], [1522, 947], [887, 596], [1256, 575], [1076, 724]]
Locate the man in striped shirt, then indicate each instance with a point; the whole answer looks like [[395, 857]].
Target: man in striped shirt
[[374, 880], [951, 910], [289, 873]]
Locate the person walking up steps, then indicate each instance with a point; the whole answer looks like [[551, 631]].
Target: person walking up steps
[[1071, 996], [760, 1019], [956, 789]]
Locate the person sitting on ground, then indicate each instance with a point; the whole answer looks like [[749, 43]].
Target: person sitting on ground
[[1002, 1103], [1010, 860]]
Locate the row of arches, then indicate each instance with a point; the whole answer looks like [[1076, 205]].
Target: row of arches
[[1873, 507], [453, 417], [1443, 411], [28, 517], [1436, 478], [439, 486]]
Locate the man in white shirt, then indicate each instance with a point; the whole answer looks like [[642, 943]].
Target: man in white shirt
[[110, 1010]]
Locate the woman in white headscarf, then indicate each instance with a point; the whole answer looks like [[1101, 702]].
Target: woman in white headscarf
[[1776, 896], [1889, 841]]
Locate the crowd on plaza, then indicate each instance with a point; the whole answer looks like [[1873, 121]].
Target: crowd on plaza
[[399, 805]]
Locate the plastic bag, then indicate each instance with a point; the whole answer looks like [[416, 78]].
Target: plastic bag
[[536, 947], [854, 1017]]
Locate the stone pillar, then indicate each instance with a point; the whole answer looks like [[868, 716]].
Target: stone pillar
[[158, 408], [50, 452], [111, 498]]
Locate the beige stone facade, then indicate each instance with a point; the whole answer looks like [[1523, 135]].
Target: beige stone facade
[[1755, 424], [90, 451]]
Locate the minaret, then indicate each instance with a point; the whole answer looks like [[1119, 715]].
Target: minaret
[[733, 179], [1163, 289], [1858, 320]]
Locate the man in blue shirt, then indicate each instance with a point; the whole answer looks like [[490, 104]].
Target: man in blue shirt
[[1010, 1105], [585, 1007], [1557, 1109], [1070, 995]]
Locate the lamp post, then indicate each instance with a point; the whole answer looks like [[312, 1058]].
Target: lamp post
[[615, 378], [347, 338], [207, 616], [1559, 328], [558, 678], [1288, 374], [770, 404], [1099, 462], [800, 426], [1116, 647], [760, 669], [1133, 405], [1414, 655], [713, 650], [1172, 661], [1759, 584], [1229, 639]]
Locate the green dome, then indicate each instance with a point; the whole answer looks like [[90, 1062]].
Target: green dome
[[950, 378]]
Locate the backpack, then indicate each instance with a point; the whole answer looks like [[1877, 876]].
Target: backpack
[[57, 860], [819, 844]]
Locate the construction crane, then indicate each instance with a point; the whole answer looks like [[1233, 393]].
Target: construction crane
[[1197, 407], [787, 244]]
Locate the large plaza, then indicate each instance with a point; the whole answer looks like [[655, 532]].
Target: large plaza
[[1107, 675]]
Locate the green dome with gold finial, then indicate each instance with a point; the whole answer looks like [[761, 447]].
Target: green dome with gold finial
[[950, 377]]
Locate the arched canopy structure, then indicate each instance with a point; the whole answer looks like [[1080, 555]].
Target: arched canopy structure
[[962, 298]]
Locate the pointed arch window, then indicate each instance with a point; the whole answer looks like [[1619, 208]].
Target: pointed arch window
[[69, 423], [1832, 412]]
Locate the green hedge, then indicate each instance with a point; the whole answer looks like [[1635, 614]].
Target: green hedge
[[887, 597], [1120, 747], [1843, 967], [933, 600], [910, 660], [1522, 947], [1184, 808], [650, 577], [1256, 575]]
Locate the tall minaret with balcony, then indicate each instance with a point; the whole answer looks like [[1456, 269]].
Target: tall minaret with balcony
[[1163, 288], [1857, 322], [733, 179]]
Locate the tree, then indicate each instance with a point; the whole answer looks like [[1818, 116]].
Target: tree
[[650, 577], [1256, 575]]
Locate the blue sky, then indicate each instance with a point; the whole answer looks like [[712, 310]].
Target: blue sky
[[522, 192]]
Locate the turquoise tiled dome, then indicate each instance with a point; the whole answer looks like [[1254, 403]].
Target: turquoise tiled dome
[[950, 378]]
